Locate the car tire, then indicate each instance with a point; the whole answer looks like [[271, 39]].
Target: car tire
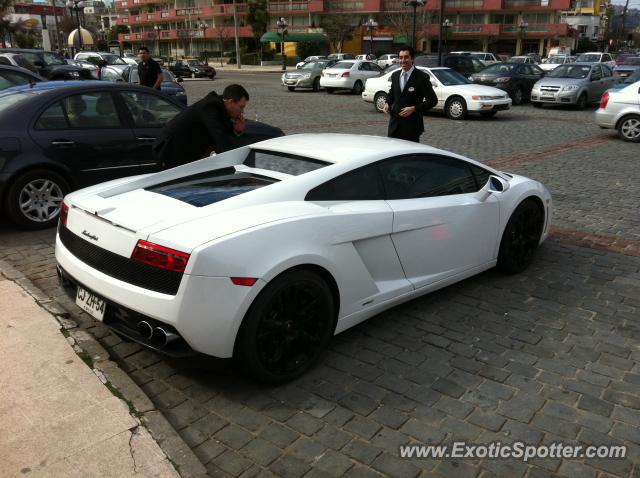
[[536, 104], [456, 108], [357, 88], [520, 237], [287, 327], [316, 84], [330, 90], [582, 101], [291, 88], [488, 114], [379, 101], [45, 189], [518, 96], [629, 128]]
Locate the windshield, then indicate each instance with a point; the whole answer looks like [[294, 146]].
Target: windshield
[[450, 77], [345, 65], [196, 63], [113, 60], [499, 68], [166, 75], [47, 57], [632, 61], [570, 71], [589, 58], [555, 60], [312, 65], [632, 78]]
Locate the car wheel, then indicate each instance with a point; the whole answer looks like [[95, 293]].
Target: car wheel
[[520, 238], [488, 114], [34, 200], [316, 84], [357, 88], [629, 128], [536, 104], [379, 101], [518, 96], [291, 88], [582, 101], [456, 108], [286, 328], [330, 90]]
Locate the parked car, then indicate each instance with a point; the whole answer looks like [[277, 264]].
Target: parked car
[[484, 57], [95, 57], [535, 57], [341, 56], [622, 57], [17, 59], [629, 67], [551, 63], [349, 75], [170, 85], [526, 59], [596, 57], [192, 69], [51, 65], [307, 76], [457, 96], [267, 252], [627, 81], [388, 59], [573, 84], [620, 109], [14, 75], [366, 56], [466, 65], [516, 79], [310, 58], [57, 137]]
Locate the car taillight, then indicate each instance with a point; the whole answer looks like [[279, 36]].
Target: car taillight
[[322, 73], [345, 74], [160, 256], [604, 100], [63, 214]]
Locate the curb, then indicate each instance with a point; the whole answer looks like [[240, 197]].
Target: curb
[[184, 460]]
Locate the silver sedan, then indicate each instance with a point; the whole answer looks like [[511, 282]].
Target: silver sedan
[[620, 109]]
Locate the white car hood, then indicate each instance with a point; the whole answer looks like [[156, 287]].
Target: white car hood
[[473, 89]]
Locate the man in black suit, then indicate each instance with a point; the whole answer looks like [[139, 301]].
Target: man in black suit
[[410, 96], [210, 124]]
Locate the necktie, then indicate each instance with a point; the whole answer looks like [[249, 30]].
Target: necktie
[[404, 78]]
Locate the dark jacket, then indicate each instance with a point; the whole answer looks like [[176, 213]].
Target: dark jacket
[[195, 132], [417, 92]]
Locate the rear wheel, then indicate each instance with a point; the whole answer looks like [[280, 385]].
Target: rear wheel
[[456, 108], [291, 88], [287, 327], [629, 128], [379, 101], [357, 88], [34, 200], [520, 238]]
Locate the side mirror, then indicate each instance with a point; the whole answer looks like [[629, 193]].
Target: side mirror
[[179, 79], [497, 184]]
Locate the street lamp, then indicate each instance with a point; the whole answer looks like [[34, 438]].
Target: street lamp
[[76, 6], [371, 24], [156, 29], [523, 31], [282, 24], [415, 4], [446, 25], [203, 26]]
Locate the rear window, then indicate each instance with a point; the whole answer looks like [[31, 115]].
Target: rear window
[[345, 65], [282, 163], [208, 188]]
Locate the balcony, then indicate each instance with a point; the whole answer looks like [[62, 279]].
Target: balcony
[[186, 33], [462, 5], [537, 29], [462, 30], [536, 4], [278, 8], [180, 14]]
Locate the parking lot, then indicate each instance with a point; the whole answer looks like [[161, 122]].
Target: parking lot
[[549, 355]]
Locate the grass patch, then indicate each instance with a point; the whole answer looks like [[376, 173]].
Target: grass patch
[[118, 393]]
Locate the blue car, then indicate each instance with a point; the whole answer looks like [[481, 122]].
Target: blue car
[[170, 85]]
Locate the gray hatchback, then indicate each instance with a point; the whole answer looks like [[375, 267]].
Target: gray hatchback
[[307, 76], [573, 84]]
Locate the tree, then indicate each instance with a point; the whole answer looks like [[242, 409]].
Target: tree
[[5, 23], [338, 28], [25, 40], [308, 48], [222, 33], [114, 31], [258, 20]]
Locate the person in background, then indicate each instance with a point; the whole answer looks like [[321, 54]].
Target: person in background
[[210, 124], [149, 70]]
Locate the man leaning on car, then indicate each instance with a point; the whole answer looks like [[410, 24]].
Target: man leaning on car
[[149, 70]]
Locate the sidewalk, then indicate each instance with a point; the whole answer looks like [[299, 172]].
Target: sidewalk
[[57, 417]]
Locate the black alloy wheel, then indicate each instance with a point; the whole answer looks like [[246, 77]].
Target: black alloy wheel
[[520, 238], [357, 88], [287, 327]]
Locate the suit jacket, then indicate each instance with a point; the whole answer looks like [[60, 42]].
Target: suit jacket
[[195, 132], [417, 92]]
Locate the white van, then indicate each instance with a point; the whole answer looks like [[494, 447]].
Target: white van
[[559, 50]]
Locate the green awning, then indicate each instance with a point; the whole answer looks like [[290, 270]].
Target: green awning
[[294, 37], [400, 39]]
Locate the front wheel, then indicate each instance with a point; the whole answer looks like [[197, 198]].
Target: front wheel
[[357, 88], [34, 200], [582, 101], [316, 84], [287, 327], [520, 238], [379, 101], [456, 109], [629, 128]]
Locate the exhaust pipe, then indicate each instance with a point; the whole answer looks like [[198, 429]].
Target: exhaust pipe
[[163, 338], [145, 329]]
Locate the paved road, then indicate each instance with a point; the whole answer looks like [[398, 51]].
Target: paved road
[[548, 355]]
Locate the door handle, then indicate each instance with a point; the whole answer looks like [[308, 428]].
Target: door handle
[[146, 139], [62, 142]]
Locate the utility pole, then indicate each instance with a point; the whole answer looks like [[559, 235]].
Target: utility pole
[[235, 33]]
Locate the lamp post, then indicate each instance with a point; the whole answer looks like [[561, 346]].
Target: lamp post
[[156, 29], [203, 26], [523, 31], [76, 6], [282, 25], [415, 4], [446, 25], [371, 24]]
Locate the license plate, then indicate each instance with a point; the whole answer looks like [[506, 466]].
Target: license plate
[[90, 303], [547, 95]]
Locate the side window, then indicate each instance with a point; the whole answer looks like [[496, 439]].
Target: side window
[[149, 111], [420, 176], [596, 73], [12, 78], [91, 111], [52, 118], [364, 66], [526, 70], [4, 61], [481, 175], [606, 57], [606, 71], [359, 185]]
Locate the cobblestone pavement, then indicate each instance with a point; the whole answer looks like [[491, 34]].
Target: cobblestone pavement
[[548, 355]]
